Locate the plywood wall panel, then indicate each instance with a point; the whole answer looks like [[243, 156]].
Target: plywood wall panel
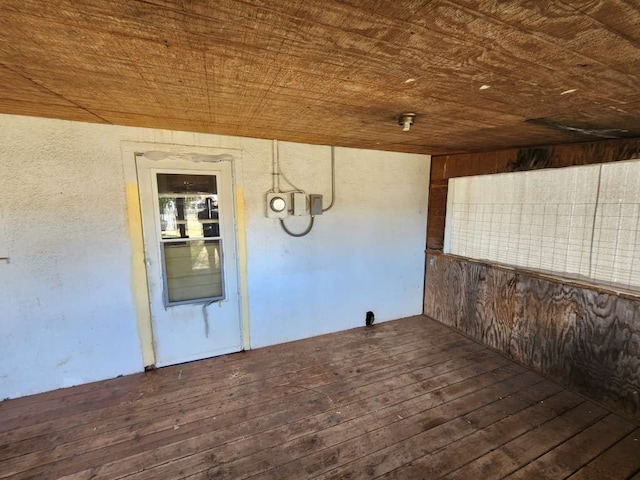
[[442, 300], [494, 316], [585, 338], [545, 331], [607, 355], [478, 300]]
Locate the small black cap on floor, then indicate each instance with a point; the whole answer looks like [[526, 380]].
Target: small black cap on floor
[[369, 319]]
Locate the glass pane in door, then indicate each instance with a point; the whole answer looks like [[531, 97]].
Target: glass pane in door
[[190, 238], [193, 270], [188, 206]]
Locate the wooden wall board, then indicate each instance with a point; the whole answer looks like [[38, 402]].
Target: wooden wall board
[[587, 339], [583, 338], [477, 301]]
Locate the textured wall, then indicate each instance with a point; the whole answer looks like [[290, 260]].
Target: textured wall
[[585, 338], [445, 167], [576, 221], [66, 304], [364, 254], [68, 308]]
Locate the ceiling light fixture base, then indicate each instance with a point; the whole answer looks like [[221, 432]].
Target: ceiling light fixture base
[[406, 120]]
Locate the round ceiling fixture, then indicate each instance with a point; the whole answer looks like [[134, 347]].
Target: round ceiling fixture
[[406, 120]]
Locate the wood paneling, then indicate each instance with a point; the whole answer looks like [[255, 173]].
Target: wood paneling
[[332, 72], [444, 167], [408, 399], [583, 337]]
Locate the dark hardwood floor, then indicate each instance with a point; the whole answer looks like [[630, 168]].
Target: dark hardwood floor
[[408, 399]]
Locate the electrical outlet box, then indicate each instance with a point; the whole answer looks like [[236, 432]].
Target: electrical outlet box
[[278, 205], [315, 204], [299, 204]]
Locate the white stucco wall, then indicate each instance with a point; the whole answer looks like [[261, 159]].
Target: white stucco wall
[[67, 306]]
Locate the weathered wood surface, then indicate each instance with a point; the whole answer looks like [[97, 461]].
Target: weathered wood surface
[[480, 74], [397, 400], [444, 167], [586, 339]]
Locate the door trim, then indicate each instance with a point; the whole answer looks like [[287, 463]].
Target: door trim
[[138, 279]]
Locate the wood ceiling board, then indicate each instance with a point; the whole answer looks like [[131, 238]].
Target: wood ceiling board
[[228, 126], [476, 143], [421, 39], [153, 50], [453, 90], [381, 111], [123, 79], [251, 66], [107, 73], [469, 88], [301, 86], [413, 96], [402, 11], [15, 86], [138, 21], [91, 47], [565, 26], [39, 109], [358, 91], [97, 92], [603, 124], [384, 61], [620, 16], [80, 14], [539, 62], [473, 140], [91, 93]]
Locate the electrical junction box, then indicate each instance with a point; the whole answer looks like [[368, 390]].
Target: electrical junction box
[[299, 204], [278, 205], [315, 204]]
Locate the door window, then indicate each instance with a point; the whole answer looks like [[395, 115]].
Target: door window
[[190, 240]]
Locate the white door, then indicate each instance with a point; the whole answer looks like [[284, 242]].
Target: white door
[[188, 224]]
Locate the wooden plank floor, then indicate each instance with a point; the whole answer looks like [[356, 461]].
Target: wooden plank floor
[[400, 400]]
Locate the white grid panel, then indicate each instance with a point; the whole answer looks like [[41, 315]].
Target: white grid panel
[[616, 253], [580, 221]]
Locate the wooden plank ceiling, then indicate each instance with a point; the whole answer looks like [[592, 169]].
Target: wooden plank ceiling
[[481, 75]]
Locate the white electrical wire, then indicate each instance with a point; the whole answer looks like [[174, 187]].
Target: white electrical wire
[[333, 179], [284, 177], [275, 167]]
